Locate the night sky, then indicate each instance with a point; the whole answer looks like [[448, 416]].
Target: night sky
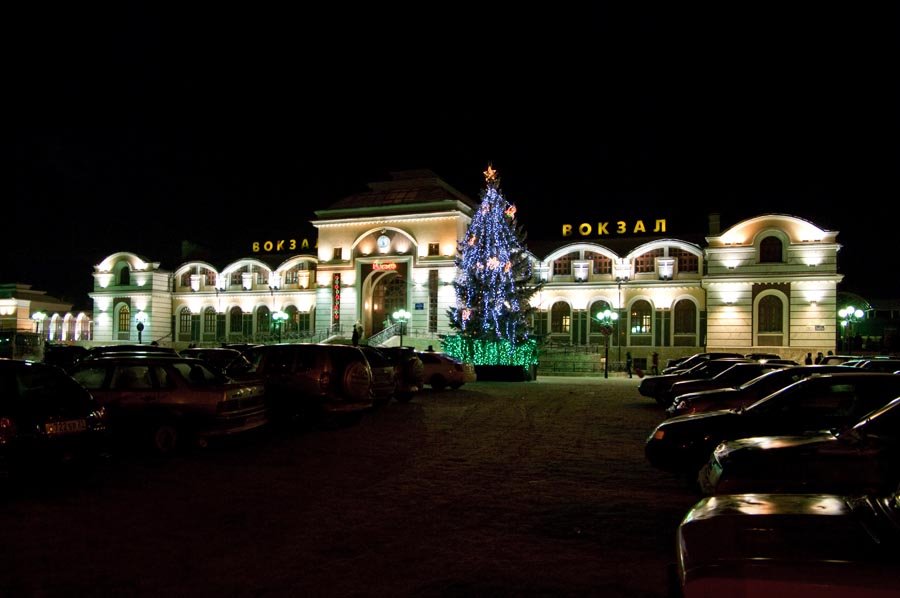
[[137, 128]]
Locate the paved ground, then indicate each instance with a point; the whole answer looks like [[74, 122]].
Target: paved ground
[[496, 489]]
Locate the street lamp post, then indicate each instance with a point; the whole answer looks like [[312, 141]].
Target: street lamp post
[[279, 317], [849, 315], [619, 281], [401, 315], [606, 318], [141, 317]]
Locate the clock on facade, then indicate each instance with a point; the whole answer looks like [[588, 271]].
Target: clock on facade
[[384, 242]]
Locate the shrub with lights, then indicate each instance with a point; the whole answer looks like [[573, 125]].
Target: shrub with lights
[[493, 287]]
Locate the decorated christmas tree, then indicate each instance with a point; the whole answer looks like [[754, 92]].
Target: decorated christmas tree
[[493, 286]]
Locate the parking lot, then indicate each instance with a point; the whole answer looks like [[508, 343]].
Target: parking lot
[[495, 489]]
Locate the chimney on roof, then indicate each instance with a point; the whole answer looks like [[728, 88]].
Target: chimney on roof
[[714, 224]]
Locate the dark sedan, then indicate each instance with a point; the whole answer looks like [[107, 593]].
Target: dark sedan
[[160, 402], [749, 392], [684, 443], [46, 420], [656, 387], [861, 459], [732, 377], [797, 545]]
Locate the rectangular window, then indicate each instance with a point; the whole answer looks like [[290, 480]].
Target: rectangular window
[[432, 300], [647, 261], [687, 261], [236, 278], [124, 320], [600, 263], [290, 277], [261, 277], [338, 253], [210, 278], [434, 249], [562, 266]]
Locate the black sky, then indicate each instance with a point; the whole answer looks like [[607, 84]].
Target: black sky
[[137, 127]]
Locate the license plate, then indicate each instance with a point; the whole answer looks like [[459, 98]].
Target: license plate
[[68, 426]]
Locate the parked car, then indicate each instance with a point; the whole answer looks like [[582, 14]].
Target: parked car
[[217, 357], [163, 402], [657, 387], [409, 371], [441, 370], [684, 443], [695, 359], [747, 393], [731, 377], [47, 420], [384, 377], [62, 355], [305, 381], [880, 365], [762, 356], [797, 545], [861, 459], [836, 359], [142, 349]]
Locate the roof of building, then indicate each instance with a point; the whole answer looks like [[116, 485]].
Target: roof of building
[[418, 190]]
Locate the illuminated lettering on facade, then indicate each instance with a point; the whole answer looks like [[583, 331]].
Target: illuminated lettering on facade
[[586, 229], [384, 266], [281, 245], [336, 298]]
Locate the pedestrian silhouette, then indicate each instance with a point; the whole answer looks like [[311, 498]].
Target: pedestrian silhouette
[[628, 363], [809, 359]]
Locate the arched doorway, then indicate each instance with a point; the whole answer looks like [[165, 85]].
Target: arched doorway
[[388, 295]]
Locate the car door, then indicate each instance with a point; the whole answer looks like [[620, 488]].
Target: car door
[[132, 389]]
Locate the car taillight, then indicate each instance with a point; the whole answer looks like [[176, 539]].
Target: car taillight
[[7, 430]]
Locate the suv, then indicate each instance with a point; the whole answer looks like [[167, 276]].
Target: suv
[[161, 400], [308, 380]]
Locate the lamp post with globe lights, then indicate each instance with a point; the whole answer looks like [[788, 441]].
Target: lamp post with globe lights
[[402, 316], [606, 319], [849, 316]]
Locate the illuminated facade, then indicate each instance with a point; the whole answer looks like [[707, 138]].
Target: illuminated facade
[[766, 284]]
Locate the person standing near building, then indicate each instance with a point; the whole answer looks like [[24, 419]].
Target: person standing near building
[[654, 364], [355, 337], [809, 359], [628, 363]]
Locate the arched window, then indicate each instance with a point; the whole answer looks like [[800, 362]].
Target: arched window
[[598, 307], [560, 318], [125, 276], [209, 321], [641, 318], [263, 320], [770, 321], [292, 324], [236, 320], [184, 321], [124, 320], [770, 250], [684, 324], [186, 279]]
